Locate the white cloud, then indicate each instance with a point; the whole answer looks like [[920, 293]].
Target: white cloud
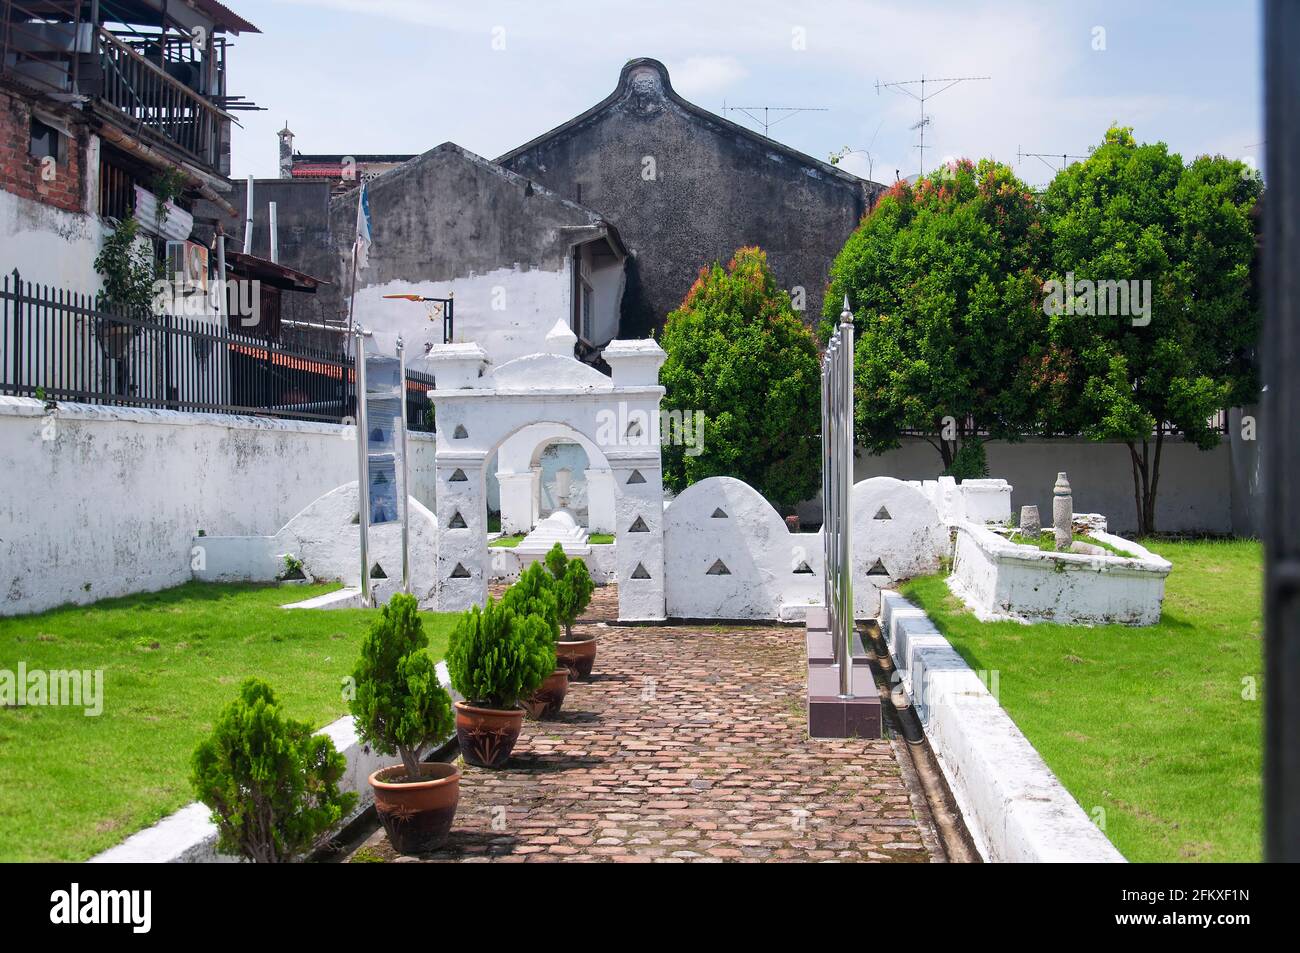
[[705, 75]]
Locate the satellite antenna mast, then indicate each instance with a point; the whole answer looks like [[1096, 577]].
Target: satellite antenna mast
[[1043, 157], [767, 121], [922, 97]]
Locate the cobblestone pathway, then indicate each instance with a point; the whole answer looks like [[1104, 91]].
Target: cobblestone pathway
[[688, 744]]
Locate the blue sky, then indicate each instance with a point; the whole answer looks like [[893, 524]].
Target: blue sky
[[357, 76]]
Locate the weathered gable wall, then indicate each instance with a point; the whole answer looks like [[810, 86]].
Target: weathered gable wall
[[445, 222], [686, 188]]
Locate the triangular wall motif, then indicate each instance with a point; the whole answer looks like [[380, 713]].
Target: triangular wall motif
[[638, 526], [639, 572], [719, 568], [882, 514], [719, 514], [457, 521], [460, 433], [803, 569], [459, 477], [460, 572], [878, 569], [377, 572], [634, 429], [636, 477]]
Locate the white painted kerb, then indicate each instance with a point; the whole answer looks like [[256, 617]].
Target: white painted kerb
[[1015, 808]]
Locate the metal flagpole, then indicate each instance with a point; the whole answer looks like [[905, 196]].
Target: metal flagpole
[[846, 509], [363, 464], [406, 511], [833, 571]]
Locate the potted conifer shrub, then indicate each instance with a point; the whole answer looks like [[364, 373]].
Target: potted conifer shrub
[[496, 658], [401, 708], [573, 589], [535, 593], [271, 783]]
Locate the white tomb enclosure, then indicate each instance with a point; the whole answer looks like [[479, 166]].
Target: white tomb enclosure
[[519, 478], [539, 398], [729, 555], [897, 534], [979, 501], [999, 579], [326, 537]]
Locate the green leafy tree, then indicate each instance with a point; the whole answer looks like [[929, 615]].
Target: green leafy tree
[[496, 656], [573, 586], [1134, 213], [950, 336], [738, 353], [400, 707], [271, 783]]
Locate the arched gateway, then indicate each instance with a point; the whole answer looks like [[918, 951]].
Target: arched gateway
[[477, 412]]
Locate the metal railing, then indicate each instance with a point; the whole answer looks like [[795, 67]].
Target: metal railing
[[837, 492], [50, 48], [64, 346], [156, 102]]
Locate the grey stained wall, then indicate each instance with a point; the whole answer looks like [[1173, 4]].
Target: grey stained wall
[[716, 186], [447, 221]]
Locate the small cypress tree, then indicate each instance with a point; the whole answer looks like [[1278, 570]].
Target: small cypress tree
[[573, 587], [400, 706], [535, 593], [271, 783], [496, 656]]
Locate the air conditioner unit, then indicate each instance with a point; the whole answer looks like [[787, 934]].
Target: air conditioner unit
[[189, 261]]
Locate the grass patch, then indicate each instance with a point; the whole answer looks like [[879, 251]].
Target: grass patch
[[510, 542], [71, 785], [1046, 541], [1147, 723]]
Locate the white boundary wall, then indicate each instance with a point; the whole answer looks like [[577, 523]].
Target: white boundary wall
[[110, 503], [1014, 807], [1214, 491]]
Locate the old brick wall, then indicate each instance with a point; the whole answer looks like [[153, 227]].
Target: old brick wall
[[21, 173]]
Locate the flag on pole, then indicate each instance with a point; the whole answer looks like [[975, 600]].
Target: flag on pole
[[363, 227]]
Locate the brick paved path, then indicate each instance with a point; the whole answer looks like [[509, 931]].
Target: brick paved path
[[689, 744]]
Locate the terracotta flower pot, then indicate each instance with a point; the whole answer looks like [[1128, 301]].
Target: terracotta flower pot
[[577, 656], [417, 815], [546, 701], [487, 735]]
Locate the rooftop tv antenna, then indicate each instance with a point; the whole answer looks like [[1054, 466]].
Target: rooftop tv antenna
[[922, 97], [1043, 157], [767, 121]]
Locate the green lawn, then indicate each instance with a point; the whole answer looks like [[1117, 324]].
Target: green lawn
[[1046, 541], [1150, 723], [71, 785], [510, 542]]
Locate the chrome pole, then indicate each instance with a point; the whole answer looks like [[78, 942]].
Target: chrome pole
[[846, 513], [826, 499], [363, 464], [834, 566], [406, 505]]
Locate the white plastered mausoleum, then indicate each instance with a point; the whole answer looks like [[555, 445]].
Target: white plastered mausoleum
[[511, 412]]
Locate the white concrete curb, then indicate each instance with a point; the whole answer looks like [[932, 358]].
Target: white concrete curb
[[1015, 808], [189, 837]]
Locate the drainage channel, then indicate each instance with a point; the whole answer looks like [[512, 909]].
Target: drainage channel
[[914, 752]]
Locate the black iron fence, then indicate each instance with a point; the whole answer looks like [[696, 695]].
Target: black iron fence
[[63, 346]]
